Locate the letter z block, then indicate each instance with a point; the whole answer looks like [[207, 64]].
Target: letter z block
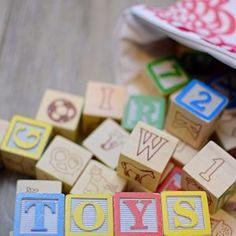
[[39, 214], [137, 214], [24, 144], [145, 156], [89, 215], [185, 213], [194, 112]]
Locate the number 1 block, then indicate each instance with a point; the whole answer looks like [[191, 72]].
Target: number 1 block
[[193, 113]]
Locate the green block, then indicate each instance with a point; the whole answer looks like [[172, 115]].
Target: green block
[[149, 109], [167, 74]]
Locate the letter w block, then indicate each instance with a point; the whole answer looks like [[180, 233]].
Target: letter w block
[[137, 214]]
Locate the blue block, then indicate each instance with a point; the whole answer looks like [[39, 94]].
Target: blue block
[[39, 214], [201, 100]]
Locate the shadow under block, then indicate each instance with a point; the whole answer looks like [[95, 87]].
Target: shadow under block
[[3, 128], [89, 215], [98, 178], [185, 213], [212, 170], [39, 214], [102, 100], [137, 214], [145, 156], [24, 143], [223, 224], [63, 160], [38, 186], [63, 111], [149, 109], [230, 206], [193, 113], [106, 142]]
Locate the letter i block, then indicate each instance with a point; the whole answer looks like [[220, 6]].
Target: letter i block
[[193, 113], [102, 100], [137, 214], [62, 111], [212, 170], [89, 215], [24, 143], [185, 213], [145, 156], [167, 74], [39, 214], [149, 109]]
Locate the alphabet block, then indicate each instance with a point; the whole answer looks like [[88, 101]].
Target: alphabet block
[[185, 213], [167, 74], [24, 144], [63, 160], [38, 186], [89, 215], [212, 170], [39, 214], [149, 109], [3, 128], [102, 100], [98, 178], [193, 113], [145, 156], [63, 111], [106, 142], [137, 214]]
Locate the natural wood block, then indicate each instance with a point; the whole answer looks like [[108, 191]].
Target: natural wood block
[[24, 143], [172, 182], [3, 128], [137, 214], [212, 170], [63, 111], [106, 142], [132, 187], [185, 213], [230, 206], [39, 214], [98, 178], [145, 156], [38, 186], [193, 113], [63, 160], [102, 100], [89, 215], [223, 224], [149, 109], [167, 74]]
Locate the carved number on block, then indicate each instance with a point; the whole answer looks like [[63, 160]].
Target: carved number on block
[[199, 104]]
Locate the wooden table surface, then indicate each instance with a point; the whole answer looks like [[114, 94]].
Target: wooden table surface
[[60, 44]]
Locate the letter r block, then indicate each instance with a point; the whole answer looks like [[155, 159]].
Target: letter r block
[[89, 215], [185, 213], [137, 214], [39, 214]]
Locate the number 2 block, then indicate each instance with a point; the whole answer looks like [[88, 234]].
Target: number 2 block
[[193, 113]]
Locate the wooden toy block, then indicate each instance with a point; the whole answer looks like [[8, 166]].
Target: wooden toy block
[[102, 100], [132, 187], [38, 186], [185, 213], [106, 142], [24, 143], [193, 113], [212, 170], [230, 206], [98, 178], [137, 214], [63, 111], [63, 160], [183, 154], [223, 224], [172, 182], [167, 74], [89, 215], [39, 214], [149, 109], [3, 128], [145, 156]]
